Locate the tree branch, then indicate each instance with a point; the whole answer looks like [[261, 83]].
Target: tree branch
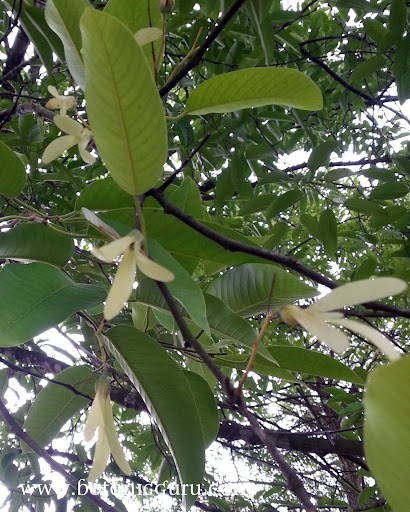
[[301, 442]]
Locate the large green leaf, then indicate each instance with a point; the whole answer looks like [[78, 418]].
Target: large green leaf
[[36, 297], [254, 87], [183, 287], [386, 430], [206, 405], [222, 321], [124, 108], [245, 289], [136, 15], [163, 387], [36, 242], [12, 172], [294, 359], [103, 195], [57, 404], [64, 18]]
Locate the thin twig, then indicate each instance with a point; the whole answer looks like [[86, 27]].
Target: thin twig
[[171, 178]]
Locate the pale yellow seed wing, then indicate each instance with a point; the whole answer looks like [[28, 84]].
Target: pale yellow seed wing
[[122, 286], [57, 148], [53, 91], [101, 455], [92, 218], [115, 446], [359, 292], [68, 125], [114, 249], [94, 419], [53, 104], [371, 334], [152, 269], [147, 35], [70, 102], [85, 155], [333, 338]]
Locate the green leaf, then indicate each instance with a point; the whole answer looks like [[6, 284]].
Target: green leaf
[[254, 87], [277, 236], [188, 199], [386, 430], [295, 359], [321, 154], [36, 297], [256, 204], [389, 191], [223, 322], [397, 18], [328, 231], [39, 41], [358, 4], [245, 289], [311, 362], [401, 68], [206, 405], [364, 206], [283, 202], [124, 108], [337, 174], [37, 18], [375, 30], [374, 173], [102, 195], [12, 172], [57, 404], [240, 362], [36, 242], [64, 18], [163, 386], [138, 14], [311, 225], [183, 287], [367, 68]]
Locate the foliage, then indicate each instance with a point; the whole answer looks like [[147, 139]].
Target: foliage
[[237, 156]]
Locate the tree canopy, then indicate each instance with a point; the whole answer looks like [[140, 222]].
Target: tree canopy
[[204, 255]]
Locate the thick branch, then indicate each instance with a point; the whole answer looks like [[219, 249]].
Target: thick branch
[[15, 429], [290, 441]]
